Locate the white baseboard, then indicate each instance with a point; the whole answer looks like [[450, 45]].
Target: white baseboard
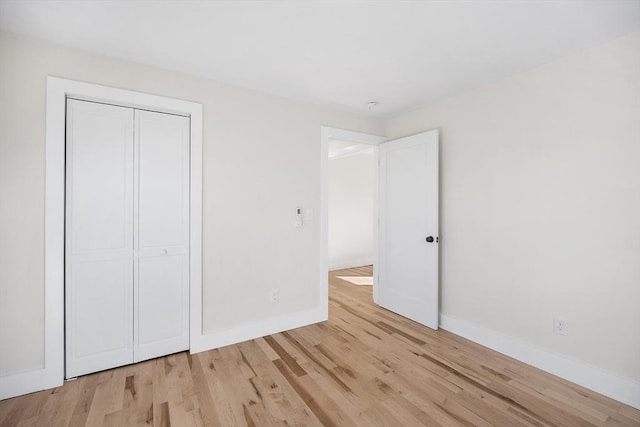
[[258, 329], [27, 382], [619, 388], [350, 263], [42, 379]]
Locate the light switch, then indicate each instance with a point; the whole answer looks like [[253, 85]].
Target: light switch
[[298, 217]]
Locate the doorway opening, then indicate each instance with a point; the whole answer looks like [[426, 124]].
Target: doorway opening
[[351, 188], [126, 235], [405, 226], [348, 209]]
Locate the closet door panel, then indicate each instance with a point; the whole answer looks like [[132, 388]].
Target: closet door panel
[[162, 279], [161, 308], [99, 237], [163, 144], [102, 327], [99, 177]]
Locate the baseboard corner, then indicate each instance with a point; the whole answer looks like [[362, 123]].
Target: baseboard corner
[[258, 329]]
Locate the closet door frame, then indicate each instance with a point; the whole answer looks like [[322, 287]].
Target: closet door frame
[[58, 90]]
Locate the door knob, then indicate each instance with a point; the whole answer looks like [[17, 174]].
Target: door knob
[[163, 251], [430, 239]]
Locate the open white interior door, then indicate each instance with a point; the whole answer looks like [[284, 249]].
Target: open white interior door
[[408, 230]]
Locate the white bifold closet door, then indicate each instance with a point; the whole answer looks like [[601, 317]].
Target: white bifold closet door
[[161, 235], [127, 231]]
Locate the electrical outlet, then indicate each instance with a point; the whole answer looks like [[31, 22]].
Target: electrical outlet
[[560, 325], [274, 296]]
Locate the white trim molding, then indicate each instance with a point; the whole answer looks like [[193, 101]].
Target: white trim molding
[[619, 388], [328, 134], [350, 151], [58, 90], [274, 325]]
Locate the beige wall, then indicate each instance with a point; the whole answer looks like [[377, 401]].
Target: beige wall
[[540, 198], [540, 204], [261, 160]]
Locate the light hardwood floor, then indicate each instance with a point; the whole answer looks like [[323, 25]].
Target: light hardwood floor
[[365, 366]]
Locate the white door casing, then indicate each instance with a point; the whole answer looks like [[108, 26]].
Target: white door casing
[[408, 278]]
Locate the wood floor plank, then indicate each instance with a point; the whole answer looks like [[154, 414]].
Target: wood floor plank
[[279, 398], [207, 411], [318, 401], [364, 367], [228, 412]]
